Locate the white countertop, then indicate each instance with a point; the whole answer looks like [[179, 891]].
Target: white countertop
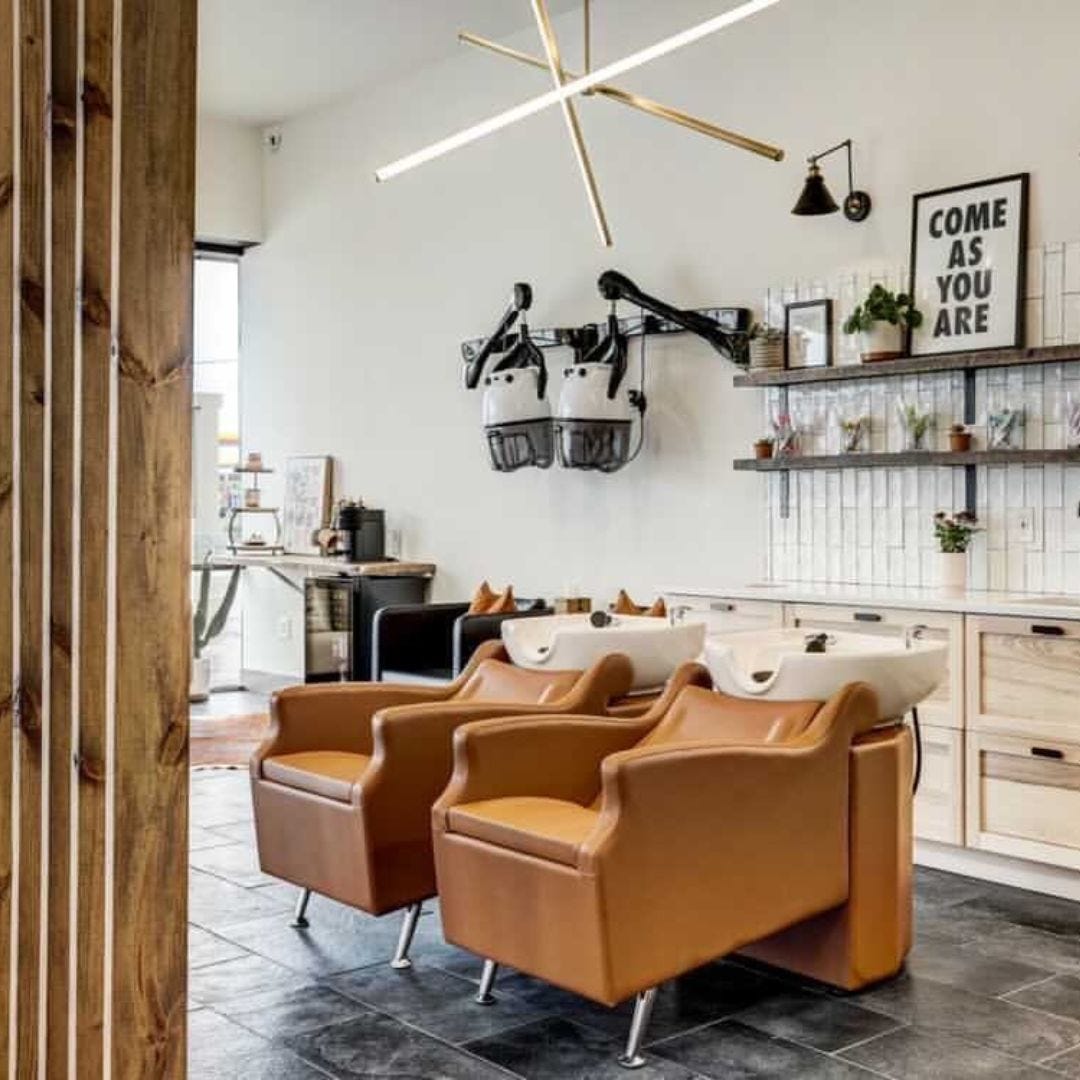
[[318, 564], [928, 599]]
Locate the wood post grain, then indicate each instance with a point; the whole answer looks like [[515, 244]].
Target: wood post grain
[[95, 415]]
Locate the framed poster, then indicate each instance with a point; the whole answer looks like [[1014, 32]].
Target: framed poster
[[968, 252], [306, 506], [808, 334]]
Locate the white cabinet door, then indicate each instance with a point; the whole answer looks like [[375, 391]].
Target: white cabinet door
[[721, 615]]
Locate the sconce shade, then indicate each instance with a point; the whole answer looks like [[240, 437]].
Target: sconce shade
[[815, 198]]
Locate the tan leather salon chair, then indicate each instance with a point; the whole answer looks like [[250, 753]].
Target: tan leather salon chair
[[343, 784], [607, 857]]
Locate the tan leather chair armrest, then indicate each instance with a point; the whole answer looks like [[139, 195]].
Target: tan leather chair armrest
[[336, 716], [557, 757], [607, 680], [689, 674], [412, 762]]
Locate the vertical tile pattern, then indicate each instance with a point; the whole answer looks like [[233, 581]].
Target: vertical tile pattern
[[863, 526]]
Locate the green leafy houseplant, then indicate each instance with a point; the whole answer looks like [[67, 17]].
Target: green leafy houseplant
[[883, 305], [205, 628], [954, 531]]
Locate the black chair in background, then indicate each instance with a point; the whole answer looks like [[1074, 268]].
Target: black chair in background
[[435, 641]]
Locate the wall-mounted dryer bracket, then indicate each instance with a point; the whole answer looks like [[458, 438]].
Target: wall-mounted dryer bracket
[[732, 320]]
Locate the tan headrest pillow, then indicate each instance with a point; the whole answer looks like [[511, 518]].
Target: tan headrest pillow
[[486, 601], [625, 606]]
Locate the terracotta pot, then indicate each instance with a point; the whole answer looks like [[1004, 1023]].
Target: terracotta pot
[[959, 441], [763, 449], [882, 341]]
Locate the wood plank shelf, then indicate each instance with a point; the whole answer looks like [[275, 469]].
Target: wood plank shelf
[[913, 365], [908, 458]]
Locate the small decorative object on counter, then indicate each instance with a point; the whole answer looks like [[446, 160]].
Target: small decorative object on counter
[[252, 498], [853, 431], [959, 438], [254, 462], [1072, 421], [915, 425], [572, 605], [766, 347], [881, 321], [763, 448], [785, 436], [1003, 428], [954, 533]]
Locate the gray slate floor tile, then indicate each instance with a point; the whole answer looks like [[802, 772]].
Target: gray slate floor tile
[[220, 983], [556, 1049], [206, 948], [1054, 952], [917, 1054], [280, 1011], [964, 967], [1059, 995]]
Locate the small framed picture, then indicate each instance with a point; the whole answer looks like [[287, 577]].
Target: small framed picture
[[808, 334], [968, 255]]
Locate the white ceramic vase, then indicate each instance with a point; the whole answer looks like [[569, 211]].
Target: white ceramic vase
[[882, 341], [200, 678], [952, 571]]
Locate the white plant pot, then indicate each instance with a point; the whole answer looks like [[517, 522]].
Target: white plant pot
[[200, 678], [952, 571], [882, 341]]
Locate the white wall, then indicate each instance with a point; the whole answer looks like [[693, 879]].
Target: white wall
[[228, 181], [355, 305]]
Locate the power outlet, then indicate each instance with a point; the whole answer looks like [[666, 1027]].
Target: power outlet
[[284, 628], [1023, 526]]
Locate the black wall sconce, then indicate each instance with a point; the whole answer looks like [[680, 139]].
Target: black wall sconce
[[815, 198]]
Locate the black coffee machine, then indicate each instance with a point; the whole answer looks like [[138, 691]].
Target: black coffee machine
[[361, 532]]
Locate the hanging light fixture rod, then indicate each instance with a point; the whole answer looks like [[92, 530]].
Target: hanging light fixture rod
[[575, 86], [573, 127], [636, 101]]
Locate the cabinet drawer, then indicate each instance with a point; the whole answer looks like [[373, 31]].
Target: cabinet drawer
[[945, 706], [1025, 677], [722, 615], [1024, 798], [939, 804]]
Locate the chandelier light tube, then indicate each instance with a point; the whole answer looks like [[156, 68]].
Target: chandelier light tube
[[573, 127], [572, 88], [637, 101]]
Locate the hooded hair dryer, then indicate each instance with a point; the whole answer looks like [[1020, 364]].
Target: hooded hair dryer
[[517, 416]]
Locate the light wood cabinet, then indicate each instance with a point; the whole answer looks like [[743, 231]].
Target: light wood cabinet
[[1025, 676], [944, 708], [723, 616], [1024, 798], [939, 803]]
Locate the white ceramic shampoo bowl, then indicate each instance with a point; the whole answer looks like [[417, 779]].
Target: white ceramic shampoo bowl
[[572, 643], [774, 664]]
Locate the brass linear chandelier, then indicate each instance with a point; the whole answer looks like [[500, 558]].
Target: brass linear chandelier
[[566, 85]]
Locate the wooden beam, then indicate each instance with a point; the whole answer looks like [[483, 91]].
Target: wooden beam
[[153, 547], [93, 514], [33, 629], [7, 501]]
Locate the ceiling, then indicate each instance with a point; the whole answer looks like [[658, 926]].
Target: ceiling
[[262, 61]]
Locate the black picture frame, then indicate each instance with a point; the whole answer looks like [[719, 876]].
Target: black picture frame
[[1023, 179], [826, 308]]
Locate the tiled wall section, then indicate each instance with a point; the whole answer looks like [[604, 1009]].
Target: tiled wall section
[[873, 526]]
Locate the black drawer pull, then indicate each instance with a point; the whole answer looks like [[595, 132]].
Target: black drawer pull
[[866, 616], [1047, 752], [1049, 629], [719, 605]]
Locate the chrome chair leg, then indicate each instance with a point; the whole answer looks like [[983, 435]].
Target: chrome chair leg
[[484, 996], [643, 1007], [299, 920], [401, 960]]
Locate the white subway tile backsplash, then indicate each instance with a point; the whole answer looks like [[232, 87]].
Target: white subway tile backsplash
[[875, 525]]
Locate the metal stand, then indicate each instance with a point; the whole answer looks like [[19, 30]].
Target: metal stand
[[643, 1007], [484, 996], [401, 961], [299, 920]]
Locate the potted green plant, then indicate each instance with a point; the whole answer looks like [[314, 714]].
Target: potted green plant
[[915, 424], [853, 429], [959, 438], [881, 321], [766, 347], [953, 533], [205, 629]]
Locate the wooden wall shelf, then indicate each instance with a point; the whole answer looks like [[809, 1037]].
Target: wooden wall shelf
[[913, 365], [907, 458]]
